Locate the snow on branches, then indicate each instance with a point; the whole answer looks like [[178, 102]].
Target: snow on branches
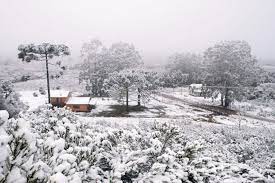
[[99, 62], [56, 146], [9, 99], [138, 82]]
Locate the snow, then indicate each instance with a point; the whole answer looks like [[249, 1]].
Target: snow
[[196, 85], [58, 178], [31, 101], [4, 137], [59, 93], [79, 100], [261, 109], [15, 176], [158, 107], [4, 115], [73, 149]]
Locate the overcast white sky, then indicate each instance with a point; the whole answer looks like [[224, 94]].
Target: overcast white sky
[[157, 28]]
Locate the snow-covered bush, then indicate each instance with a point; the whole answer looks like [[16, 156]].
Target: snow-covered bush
[[264, 92], [260, 101], [56, 146], [42, 91], [9, 99]]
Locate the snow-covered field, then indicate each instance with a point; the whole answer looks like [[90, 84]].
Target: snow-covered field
[[69, 81], [157, 107]]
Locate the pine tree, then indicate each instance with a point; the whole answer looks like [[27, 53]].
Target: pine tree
[[42, 52], [230, 65]]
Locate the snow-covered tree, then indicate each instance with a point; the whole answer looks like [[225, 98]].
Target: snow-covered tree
[[120, 84], [230, 67], [173, 79], [9, 99], [42, 52], [124, 56], [100, 62], [136, 82], [187, 66], [95, 68], [147, 82]]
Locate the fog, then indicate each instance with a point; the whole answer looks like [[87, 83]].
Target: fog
[[157, 28]]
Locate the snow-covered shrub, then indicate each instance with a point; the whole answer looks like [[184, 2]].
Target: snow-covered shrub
[[260, 101], [42, 91], [56, 146], [35, 94], [264, 92], [4, 139], [9, 99]]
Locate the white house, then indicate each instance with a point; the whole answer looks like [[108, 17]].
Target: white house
[[195, 89]]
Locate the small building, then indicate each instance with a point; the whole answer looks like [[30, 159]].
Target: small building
[[195, 89], [59, 97], [79, 104]]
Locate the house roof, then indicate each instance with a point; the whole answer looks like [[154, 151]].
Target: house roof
[[196, 85], [79, 100], [59, 93]]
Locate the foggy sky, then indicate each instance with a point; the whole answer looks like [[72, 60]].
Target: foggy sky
[[157, 28]]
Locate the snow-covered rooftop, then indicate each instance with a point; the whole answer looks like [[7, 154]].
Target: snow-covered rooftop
[[79, 100], [59, 93], [196, 85]]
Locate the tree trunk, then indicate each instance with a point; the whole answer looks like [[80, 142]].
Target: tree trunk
[[127, 99], [139, 96], [222, 99], [226, 101], [48, 80]]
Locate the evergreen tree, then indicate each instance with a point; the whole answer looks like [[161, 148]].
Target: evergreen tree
[[231, 68], [42, 52]]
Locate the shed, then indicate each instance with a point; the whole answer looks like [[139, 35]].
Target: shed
[[79, 104], [59, 97], [195, 89]]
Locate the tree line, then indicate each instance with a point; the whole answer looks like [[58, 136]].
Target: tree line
[[228, 67], [118, 70]]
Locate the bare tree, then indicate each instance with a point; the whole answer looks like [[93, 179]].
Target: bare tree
[[42, 52]]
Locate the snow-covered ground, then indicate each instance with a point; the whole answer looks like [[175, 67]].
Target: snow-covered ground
[[30, 100], [157, 108], [68, 81], [251, 107]]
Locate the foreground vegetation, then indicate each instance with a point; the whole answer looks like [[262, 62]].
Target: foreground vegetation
[[55, 145]]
